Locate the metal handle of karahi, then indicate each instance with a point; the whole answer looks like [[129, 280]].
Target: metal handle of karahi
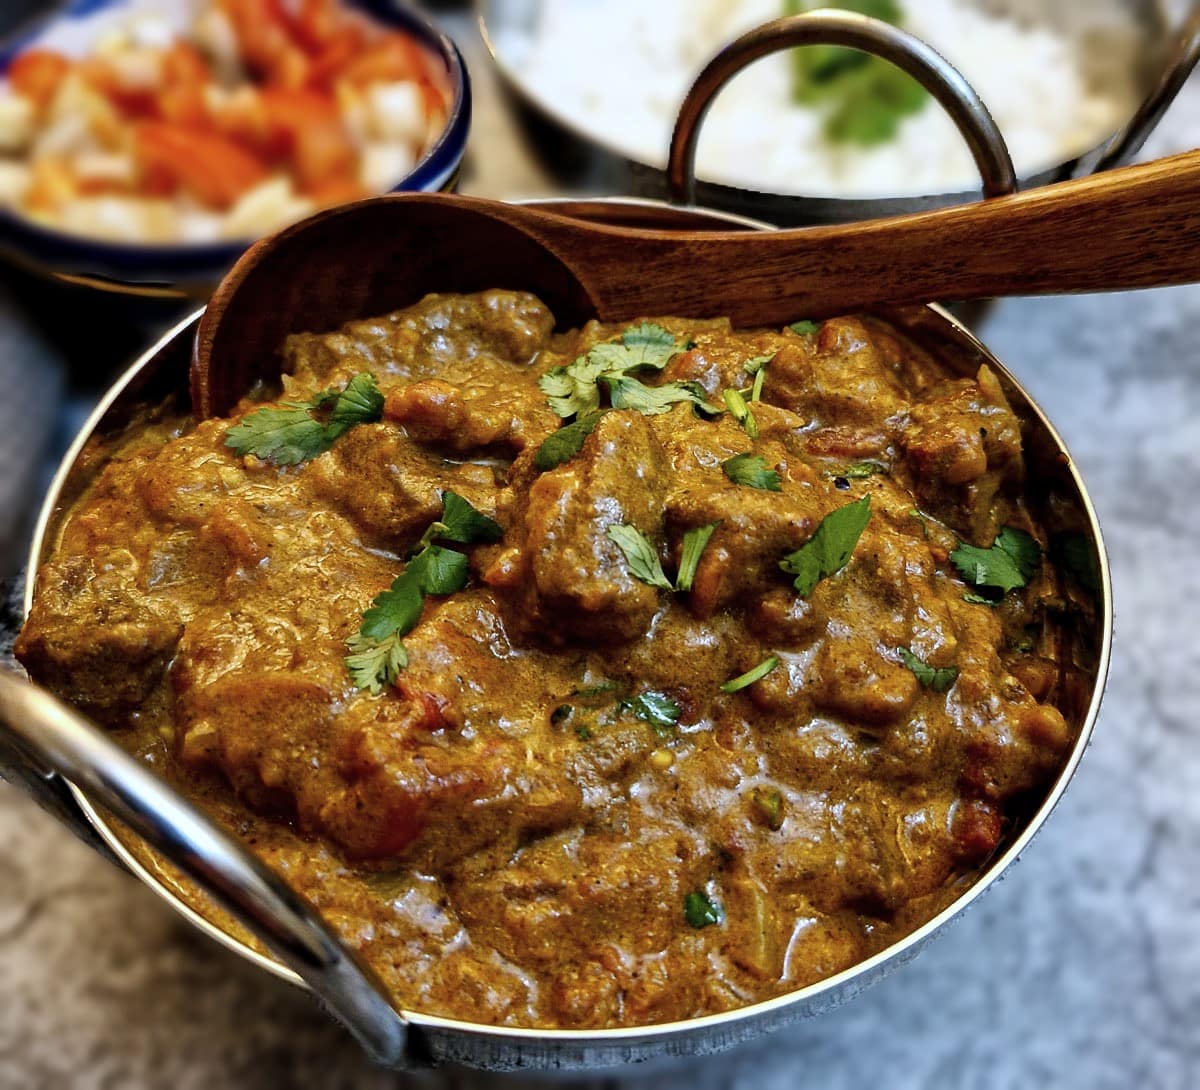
[[928, 67], [1182, 58], [61, 740]]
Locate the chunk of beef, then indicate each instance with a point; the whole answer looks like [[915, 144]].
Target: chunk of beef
[[388, 489], [841, 377], [93, 641], [443, 335], [963, 442], [575, 583], [482, 417]]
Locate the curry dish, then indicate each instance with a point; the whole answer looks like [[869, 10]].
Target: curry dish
[[594, 679]]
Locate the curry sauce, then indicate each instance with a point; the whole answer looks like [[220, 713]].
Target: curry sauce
[[667, 746]]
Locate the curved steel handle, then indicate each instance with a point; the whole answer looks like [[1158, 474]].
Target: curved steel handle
[[1182, 59], [928, 67], [63, 740]]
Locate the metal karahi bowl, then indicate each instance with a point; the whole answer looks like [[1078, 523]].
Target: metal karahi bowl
[[127, 813], [178, 270], [1158, 63], [84, 796]]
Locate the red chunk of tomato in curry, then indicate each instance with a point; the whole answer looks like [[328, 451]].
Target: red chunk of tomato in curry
[[561, 808]]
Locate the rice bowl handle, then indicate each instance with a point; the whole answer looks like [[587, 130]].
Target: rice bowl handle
[[872, 36]]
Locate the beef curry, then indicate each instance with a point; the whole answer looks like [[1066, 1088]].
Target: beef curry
[[581, 680]]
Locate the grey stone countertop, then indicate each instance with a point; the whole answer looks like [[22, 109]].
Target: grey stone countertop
[[1082, 969]]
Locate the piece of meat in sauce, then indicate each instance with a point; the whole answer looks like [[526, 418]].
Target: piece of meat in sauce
[[567, 579]]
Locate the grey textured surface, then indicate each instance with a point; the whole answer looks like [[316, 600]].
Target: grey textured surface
[[1081, 970]]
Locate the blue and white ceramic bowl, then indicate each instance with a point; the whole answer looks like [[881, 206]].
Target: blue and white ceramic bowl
[[178, 270]]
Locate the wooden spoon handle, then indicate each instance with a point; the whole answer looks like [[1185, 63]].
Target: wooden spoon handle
[[1138, 227]]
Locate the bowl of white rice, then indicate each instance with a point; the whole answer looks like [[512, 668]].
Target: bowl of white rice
[[601, 82]]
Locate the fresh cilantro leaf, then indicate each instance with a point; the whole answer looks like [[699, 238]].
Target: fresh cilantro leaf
[[861, 470], [740, 411], [289, 434], [756, 363], [751, 676], [640, 555], [829, 550], [980, 600], [574, 390], [439, 571], [397, 610], [284, 436], [1009, 564], [1074, 552], [751, 470], [359, 403], [565, 443], [569, 390], [377, 653], [649, 345], [805, 327], [768, 804], [374, 664], [657, 709], [701, 910], [939, 679], [629, 393], [694, 543], [462, 523]]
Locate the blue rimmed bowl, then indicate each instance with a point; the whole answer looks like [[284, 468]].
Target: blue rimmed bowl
[[190, 270]]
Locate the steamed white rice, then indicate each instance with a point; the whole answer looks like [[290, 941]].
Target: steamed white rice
[[618, 69]]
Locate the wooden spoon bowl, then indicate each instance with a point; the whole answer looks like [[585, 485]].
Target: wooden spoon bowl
[[1132, 228]]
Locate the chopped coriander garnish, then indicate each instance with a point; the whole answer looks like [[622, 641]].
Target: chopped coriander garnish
[[768, 806], [462, 523], [574, 389], [289, 434], [805, 327], [361, 402], [829, 550], [701, 910], [377, 653], [755, 364], [939, 679], [376, 663], [751, 470], [980, 600], [740, 411], [590, 692], [640, 555], [564, 444], [629, 393], [1008, 565], [694, 543], [757, 388], [643, 561], [657, 709], [751, 676], [861, 470]]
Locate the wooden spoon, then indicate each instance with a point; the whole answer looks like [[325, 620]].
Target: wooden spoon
[[1132, 228]]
